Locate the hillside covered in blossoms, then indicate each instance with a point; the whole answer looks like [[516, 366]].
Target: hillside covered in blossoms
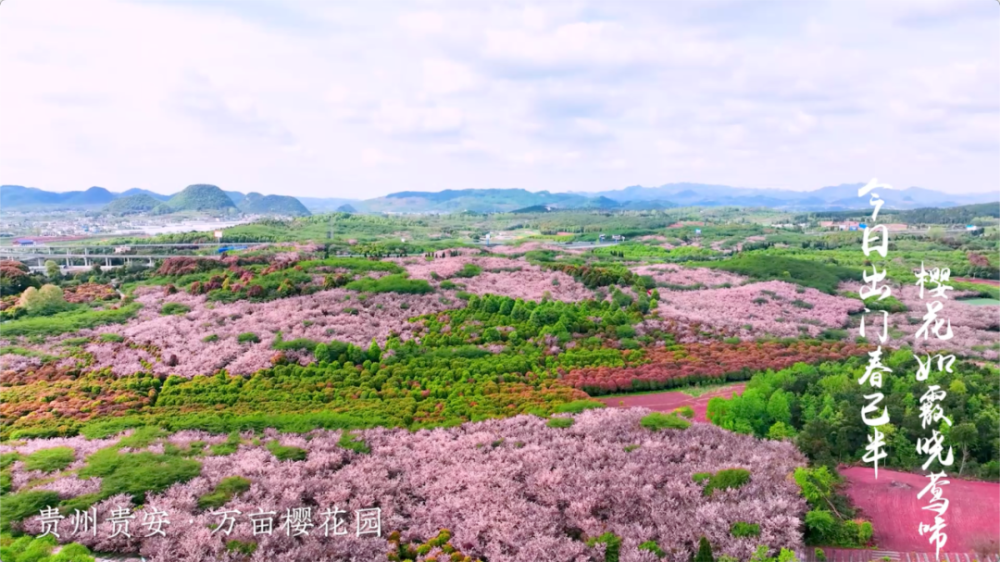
[[454, 387]]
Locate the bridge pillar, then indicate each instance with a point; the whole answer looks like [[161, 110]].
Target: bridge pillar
[[107, 262]]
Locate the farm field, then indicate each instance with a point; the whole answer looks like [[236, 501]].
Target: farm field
[[890, 502], [671, 400], [462, 389]]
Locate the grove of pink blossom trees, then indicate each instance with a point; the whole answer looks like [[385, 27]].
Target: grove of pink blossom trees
[[689, 276], [974, 327], [773, 308], [508, 490]]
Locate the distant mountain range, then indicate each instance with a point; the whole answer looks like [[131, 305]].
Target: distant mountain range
[[832, 198], [198, 198], [202, 197], [636, 197]]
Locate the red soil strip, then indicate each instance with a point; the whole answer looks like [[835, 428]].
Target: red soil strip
[[891, 504], [673, 399], [993, 282]]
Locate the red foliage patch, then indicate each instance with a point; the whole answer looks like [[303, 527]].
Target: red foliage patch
[[184, 265], [88, 292], [699, 361]]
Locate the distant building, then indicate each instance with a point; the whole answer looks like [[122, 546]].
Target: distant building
[[24, 242], [971, 227], [894, 227]]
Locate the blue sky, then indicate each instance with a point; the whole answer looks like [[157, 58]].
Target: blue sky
[[361, 99]]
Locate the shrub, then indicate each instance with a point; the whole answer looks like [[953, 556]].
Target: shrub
[[560, 422], [865, 532], [657, 421], [577, 406], [42, 302], [629, 343], [137, 473], [685, 411], [69, 321], [727, 479], [700, 477], [612, 552], [226, 490], [245, 548], [227, 448], [7, 459], [820, 555], [20, 506], [283, 453], [39, 549], [630, 448], [354, 443], [246, 337], [174, 308], [653, 547], [303, 344], [397, 283], [743, 529], [624, 331], [833, 334], [820, 525], [112, 338], [210, 338], [49, 460], [447, 284], [468, 270]]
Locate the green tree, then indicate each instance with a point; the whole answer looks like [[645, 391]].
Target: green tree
[[47, 300], [704, 551], [964, 435], [51, 269], [374, 352], [779, 409]]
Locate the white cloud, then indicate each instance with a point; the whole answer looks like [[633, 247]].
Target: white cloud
[[581, 95], [403, 119], [373, 157], [422, 23], [447, 77]]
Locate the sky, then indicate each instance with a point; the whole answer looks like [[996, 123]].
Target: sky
[[361, 99]]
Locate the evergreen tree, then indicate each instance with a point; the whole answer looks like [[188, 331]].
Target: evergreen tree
[[704, 551], [374, 352]]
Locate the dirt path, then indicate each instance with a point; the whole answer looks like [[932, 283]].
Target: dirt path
[[672, 399], [891, 504]]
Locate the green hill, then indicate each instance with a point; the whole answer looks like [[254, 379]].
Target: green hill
[[201, 197], [257, 204], [134, 204]]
